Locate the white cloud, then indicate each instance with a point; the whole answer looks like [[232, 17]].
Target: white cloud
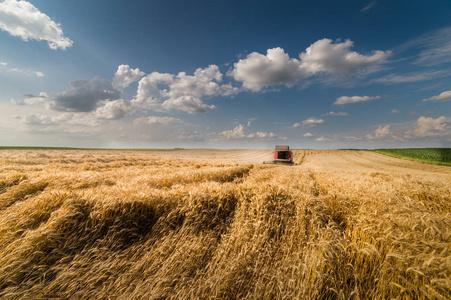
[[429, 127], [380, 133], [323, 139], [445, 96], [263, 135], [324, 56], [352, 138], [200, 84], [296, 125], [44, 120], [235, 133], [354, 99], [369, 6], [158, 91], [257, 71], [27, 72], [337, 114], [239, 133], [312, 122], [187, 104], [395, 111], [24, 20], [32, 99], [149, 92], [124, 76], [229, 90], [152, 120], [308, 134], [436, 47], [65, 123], [111, 110], [411, 77], [423, 129]]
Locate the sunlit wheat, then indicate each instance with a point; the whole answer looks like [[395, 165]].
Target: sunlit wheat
[[141, 225]]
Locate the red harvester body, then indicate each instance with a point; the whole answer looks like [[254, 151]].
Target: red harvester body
[[282, 155]]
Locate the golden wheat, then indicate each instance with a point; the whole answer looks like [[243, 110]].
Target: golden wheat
[[143, 225]]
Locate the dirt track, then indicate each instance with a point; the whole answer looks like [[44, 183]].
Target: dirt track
[[367, 161]]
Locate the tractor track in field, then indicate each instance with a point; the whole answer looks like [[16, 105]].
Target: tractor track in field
[[219, 224], [318, 160]]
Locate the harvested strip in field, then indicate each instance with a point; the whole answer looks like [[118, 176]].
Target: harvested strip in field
[[340, 224]]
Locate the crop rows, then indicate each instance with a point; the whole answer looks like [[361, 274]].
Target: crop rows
[[137, 225], [439, 155]]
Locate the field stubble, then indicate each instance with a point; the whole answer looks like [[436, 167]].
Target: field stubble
[[140, 225]]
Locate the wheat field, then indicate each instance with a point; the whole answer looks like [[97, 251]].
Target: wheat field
[[199, 224]]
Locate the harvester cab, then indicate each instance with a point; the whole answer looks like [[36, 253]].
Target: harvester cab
[[282, 155]]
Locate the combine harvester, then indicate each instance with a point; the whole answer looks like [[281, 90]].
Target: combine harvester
[[282, 156]]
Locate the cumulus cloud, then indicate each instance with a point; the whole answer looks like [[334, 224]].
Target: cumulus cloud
[[84, 95], [151, 89], [152, 120], [187, 104], [229, 90], [197, 85], [424, 128], [111, 110], [445, 96], [235, 133], [276, 67], [35, 99], [326, 56], [323, 139], [336, 114], [395, 111], [308, 134], [354, 99], [312, 122], [239, 133], [380, 133], [124, 76], [162, 91], [263, 135], [353, 138], [24, 20], [66, 122], [44, 120], [258, 71], [430, 127]]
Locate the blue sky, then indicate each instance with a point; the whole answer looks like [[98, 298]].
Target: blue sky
[[225, 74]]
